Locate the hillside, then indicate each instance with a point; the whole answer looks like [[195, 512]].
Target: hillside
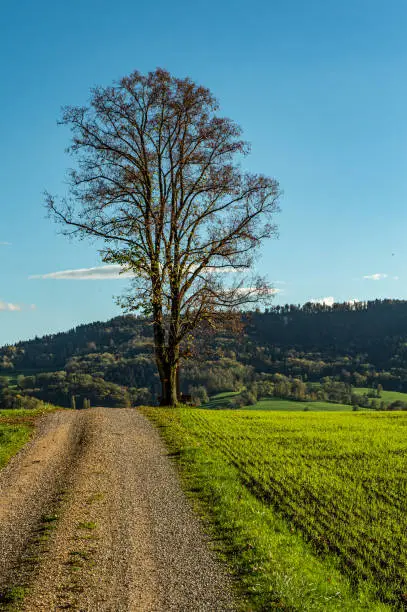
[[111, 363]]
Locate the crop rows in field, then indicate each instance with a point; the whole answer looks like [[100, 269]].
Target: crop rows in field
[[339, 478]]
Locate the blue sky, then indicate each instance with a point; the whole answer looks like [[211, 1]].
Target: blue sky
[[319, 87]]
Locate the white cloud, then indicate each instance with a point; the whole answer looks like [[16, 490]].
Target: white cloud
[[9, 307], [113, 271], [247, 290], [395, 278], [4, 243], [328, 301], [116, 271], [377, 276], [218, 269], [108, 272]]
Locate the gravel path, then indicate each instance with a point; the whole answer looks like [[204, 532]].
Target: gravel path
[[126, 538]]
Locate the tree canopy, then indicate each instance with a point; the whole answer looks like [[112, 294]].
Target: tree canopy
[[158, 179]]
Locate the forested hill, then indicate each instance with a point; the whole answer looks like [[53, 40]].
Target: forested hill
[[376, 329], [364, 344], [123, 335]]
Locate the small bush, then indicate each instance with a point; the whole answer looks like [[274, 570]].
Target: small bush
[[397, 405], [198, 394]]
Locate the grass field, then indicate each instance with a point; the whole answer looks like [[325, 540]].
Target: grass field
[[310, 506], [222, 400], [274, 403], [15, 430], [387, 396]]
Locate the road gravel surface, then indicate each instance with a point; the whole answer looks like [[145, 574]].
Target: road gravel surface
[[93, 518]]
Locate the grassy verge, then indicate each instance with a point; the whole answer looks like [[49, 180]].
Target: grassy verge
[[16, 427], [276, 568]]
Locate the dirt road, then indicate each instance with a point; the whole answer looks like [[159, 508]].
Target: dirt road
[[92, 518]]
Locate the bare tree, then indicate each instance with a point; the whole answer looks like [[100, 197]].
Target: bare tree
[[157, 179]]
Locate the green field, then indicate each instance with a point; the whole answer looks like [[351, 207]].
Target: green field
[[274, 403], [221, 400], [387, 396], [16, 427], [310, 507]]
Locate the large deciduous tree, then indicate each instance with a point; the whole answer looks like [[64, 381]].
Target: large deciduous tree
[[158, 179]]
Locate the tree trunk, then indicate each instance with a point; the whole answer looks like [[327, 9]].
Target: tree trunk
[[169, 391], [167, 356]]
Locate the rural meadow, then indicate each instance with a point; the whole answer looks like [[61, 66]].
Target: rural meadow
[[203, 338]]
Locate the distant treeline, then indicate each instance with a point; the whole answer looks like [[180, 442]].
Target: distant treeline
[[362, 345]]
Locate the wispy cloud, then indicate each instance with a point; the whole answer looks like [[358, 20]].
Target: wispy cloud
[[328, 301], [4, 243], [254, 290], [217, 270], [395, 278], [109, 272], [116, 271], [375, 277], [9, 307]]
